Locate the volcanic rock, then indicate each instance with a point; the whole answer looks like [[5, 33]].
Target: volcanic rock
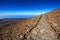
[[42, 27]]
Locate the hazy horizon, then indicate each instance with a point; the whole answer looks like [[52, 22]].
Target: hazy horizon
[[26, 8]]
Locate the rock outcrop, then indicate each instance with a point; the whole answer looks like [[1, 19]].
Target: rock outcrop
[[42, 27]]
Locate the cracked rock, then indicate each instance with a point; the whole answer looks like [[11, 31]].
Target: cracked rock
[[42, 27]]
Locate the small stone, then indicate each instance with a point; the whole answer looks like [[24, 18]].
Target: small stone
[[34, 32], [21, 36], [42, 31]]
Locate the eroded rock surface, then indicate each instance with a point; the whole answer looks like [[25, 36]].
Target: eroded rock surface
[[43, 31], [42, 27]]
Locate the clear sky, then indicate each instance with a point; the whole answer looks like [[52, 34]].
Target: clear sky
[[26, 8]]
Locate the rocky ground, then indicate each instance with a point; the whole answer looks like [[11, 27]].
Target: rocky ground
[[42, 27]]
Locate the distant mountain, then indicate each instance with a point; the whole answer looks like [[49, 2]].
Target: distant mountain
[[5, 20], [42, 27]]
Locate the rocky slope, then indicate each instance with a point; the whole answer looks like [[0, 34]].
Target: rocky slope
[[42, 27]]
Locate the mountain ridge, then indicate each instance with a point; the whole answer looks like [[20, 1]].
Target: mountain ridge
[[42, 27]]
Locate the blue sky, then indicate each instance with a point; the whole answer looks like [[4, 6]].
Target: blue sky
[[26, 8]]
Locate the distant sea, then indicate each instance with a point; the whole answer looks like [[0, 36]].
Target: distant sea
[[18, 16]]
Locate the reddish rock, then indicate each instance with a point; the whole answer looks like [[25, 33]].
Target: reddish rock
[[42, 27]]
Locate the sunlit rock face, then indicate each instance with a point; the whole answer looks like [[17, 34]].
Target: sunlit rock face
[[42, 27], [43, 31]]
